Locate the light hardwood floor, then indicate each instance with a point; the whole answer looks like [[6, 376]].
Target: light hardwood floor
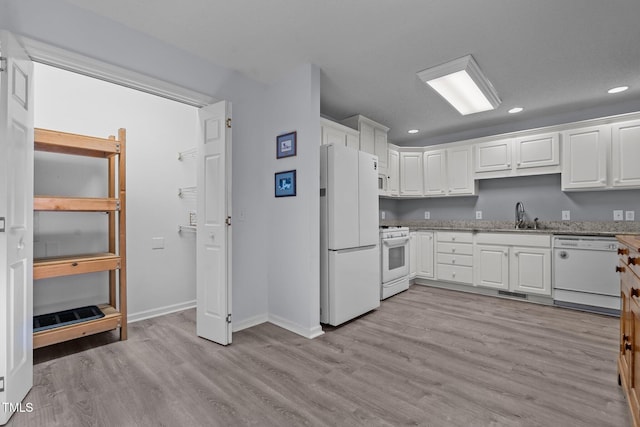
[[427, 357]]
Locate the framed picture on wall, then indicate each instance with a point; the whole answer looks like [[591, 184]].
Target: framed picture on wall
[[286, 145], [285, 183]]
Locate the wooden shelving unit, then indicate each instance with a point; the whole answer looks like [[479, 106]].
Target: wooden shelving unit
[[113, 150]]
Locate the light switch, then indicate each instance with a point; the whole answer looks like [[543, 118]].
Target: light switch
[[383, 215], [617, 215], [157, 243], [427, 215], [566, 215], [630, 215], [478, 214]]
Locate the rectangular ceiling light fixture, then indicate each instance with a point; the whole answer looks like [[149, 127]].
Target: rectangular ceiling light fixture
[[463, 85]]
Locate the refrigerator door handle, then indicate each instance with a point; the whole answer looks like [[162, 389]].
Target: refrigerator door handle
[[358, 248]]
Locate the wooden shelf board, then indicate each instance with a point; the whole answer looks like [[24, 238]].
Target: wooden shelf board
[[44, 268], [70, 143], [77, 204], [111, 320]]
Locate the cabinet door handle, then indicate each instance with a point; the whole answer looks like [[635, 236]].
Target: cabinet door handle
[[633, 261], [628, 346], [506, 253], [623, 251], [75, 264], [620, 269]]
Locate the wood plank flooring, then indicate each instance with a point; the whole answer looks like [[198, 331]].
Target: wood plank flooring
[[427, 357]]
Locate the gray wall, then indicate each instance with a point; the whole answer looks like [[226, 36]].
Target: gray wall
[[541, 196]]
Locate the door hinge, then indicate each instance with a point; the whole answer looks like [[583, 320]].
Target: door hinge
[[1, 384], [229, 318], [228, 220], [118, 205], [3, 63], [2, 222], [229, 122]]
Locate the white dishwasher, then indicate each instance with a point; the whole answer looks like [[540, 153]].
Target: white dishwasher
[[584, 274]]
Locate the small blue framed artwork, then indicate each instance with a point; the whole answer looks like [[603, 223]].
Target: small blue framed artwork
[[285, 183], [286, 145]]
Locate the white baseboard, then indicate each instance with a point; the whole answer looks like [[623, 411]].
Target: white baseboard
[[310, 333], [248, 323], [160, 311]]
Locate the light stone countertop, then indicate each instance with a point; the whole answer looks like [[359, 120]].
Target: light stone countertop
[[582, 228]]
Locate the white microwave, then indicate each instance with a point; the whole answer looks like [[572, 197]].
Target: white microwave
[[382, 182]]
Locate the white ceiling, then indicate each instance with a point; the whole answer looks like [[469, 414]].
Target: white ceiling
[[548, 56]]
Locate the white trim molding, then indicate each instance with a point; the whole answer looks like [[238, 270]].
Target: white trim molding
[[310, 333], [81, 64], [160, 311]]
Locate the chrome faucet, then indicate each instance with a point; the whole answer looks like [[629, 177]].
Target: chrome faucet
[[519, 215]]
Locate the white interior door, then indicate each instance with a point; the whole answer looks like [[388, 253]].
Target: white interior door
[[213, 261], [16, 226]]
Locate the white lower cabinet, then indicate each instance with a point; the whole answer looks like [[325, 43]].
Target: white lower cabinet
[[424, 254], [530, 270], [513, 262], [454, 257]]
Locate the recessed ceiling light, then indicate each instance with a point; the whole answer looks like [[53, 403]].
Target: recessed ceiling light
[[515, 110], [618, 89], [463, 85], [413, 131]]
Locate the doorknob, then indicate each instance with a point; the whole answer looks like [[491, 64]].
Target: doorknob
[[21, 244]]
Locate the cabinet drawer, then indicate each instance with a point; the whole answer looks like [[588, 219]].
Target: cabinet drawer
[[455, 259], [455, 273], [454, 237], [455, 248]]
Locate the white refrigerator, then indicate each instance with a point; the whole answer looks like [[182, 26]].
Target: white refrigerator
[[349, 236]]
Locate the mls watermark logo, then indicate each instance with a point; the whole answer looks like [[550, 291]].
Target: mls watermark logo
[[17, 407]]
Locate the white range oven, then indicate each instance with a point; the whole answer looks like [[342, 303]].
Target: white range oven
[[394, 262]]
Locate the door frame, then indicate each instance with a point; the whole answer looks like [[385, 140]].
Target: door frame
[[74, 62]]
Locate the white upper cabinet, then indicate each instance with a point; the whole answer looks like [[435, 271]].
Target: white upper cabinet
[[393, 173], [625, 154], [367, 138], [434, 163], [460, 178], [518, 156], [537, 151], [585, 154], [373, 137], [381, 146], [411, 173], [335, 133], [494, 156]]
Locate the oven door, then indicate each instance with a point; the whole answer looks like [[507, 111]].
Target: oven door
[[395, 258]]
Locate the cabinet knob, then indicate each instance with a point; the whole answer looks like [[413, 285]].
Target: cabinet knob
[[453, 239], [517, 254], [620, 269], [628, 346], [75, 264], [453, 274], [518, 163], [508, 165], [506, 253], [625, 338], [453, 250], [633, 261], [623, 251], [453, 261], [635, 292]]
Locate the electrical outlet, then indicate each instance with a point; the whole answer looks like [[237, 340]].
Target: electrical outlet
[[617, 215], [478, 214], [566, 215], [427, 215], [383, 214], [630, 215]]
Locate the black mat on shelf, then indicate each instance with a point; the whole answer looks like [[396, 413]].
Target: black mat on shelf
[[66, 317]]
